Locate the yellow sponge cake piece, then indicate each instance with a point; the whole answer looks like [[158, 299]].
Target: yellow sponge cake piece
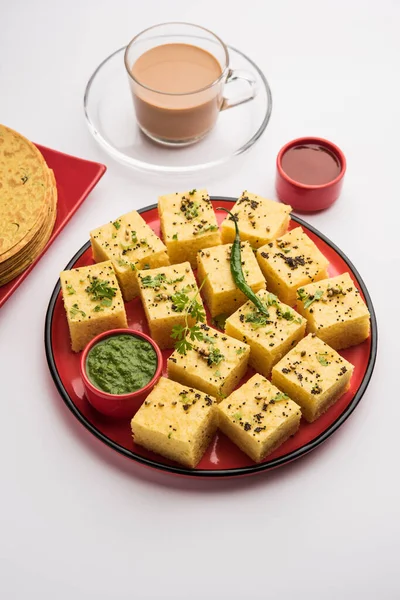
[[335, 311], [260, 220], [160, 290], [131, 245], [258, 417], [220, 291], [314, 375], [289, 262], [176, 421], [269, 337], [188, 224], [93, 302], [214, 365]]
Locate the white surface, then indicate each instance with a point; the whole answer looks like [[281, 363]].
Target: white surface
[[77, 520]]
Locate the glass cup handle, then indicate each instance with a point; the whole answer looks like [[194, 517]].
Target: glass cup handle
[[234, 75]]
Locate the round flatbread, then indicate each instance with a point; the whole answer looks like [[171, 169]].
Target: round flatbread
[[25, 191]]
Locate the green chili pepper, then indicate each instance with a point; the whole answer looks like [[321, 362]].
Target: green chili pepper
[[237, 271]]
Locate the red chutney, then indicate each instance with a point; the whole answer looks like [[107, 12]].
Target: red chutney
[[311, 164]]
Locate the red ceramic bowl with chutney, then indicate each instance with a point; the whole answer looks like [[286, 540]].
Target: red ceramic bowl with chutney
[[119, 368], [310, 173]]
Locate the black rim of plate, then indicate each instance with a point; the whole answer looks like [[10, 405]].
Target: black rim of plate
[[256, 468]]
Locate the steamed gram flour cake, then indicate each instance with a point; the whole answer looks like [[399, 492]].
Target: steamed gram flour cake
[[258, 417], [259, 220], [188, 224], [176, 421], [214, 365], [335, 311], [163, 292], [289, 262], [131, 245], [313, 375], [269, 337], [219, 290], [92, 301]]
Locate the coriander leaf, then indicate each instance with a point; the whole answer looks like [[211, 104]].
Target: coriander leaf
[[97, 308], [117, 224], [134, 237], [215, 356], [70, 290], [175, 237], [301, 294], [279, 396], [313, 298], [177, 280], [153, 282], [75, 310], [322, 360], [192, 192], [100, 289], [106, 302]]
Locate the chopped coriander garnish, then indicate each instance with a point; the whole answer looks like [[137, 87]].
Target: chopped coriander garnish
[[70, 290], [237, 416], [76, 310], [122, 262], [256, 319], [214, 357], [279, 396], [177, 280], [99, 289], [301, 294], [97, 308], [117, 224], [322, 360], [175, 237], [192, 192], [134, 237], [132, 266], [313, 298], [153, 282], [170, 435], [240, 350]]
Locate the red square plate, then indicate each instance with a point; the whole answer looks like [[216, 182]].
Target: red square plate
[[75, 179]]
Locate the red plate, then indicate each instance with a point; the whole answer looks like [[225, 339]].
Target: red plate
[[222, 458], [75, 179]]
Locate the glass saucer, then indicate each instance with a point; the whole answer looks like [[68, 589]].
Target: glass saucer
[[111, 119]]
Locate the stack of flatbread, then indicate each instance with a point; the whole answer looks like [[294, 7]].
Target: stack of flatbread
[[28, 203]]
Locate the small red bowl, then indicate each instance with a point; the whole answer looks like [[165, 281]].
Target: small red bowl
[[304, 197], [118, 405]]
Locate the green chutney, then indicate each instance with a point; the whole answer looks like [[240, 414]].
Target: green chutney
[[121, 364]]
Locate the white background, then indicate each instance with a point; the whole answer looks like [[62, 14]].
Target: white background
[[76, 519]]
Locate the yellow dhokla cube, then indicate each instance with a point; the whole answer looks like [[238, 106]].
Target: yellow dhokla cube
[[220, 290], [214, 365], [258, 417], [163, 292], [176, 421], [93, 302], [260, 220], [289, 262], [313, 375], [335, 311], [131, 245], [270, 337], [188, 224]]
